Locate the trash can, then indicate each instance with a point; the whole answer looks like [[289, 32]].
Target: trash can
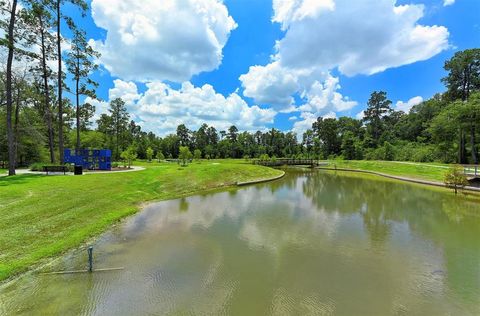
[[78, 170]]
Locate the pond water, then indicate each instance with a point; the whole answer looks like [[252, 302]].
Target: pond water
[[314, 242]]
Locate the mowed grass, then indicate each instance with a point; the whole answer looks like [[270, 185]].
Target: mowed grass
[[423, 171], [43, 216]]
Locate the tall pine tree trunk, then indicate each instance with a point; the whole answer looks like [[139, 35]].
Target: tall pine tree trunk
[[46, 91], [60, 101], [15, 126], [10, 132], [78, 113], [461, 148], [472, 144]]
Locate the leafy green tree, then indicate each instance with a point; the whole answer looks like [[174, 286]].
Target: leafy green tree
[[455, 178], [462, 80], [349, 150], [149, 154], [10, 43], [197, 154], [389, 152], [308, 141], [129, 155], [184, 155], [378, 108], [183, 134], [232, 133], [80, 63], [57, 4], [119, 120], [463, 74], [326, 130], [39, 21], [160, 156]]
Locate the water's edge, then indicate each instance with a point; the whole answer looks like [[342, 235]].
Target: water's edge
[[404, 179], [46, 262]]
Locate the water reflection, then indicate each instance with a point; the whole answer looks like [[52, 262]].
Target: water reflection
[[311, 243]]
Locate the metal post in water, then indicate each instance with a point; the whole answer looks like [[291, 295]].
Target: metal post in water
[[90, 259]]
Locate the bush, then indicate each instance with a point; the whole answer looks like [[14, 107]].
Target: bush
[[264, 157], [160, 156], [129, 155], [197, 154], [115, 164], [455, 178], [185, 155]]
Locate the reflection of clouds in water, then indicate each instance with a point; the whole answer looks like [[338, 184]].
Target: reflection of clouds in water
[[253, 208], [301, 224]]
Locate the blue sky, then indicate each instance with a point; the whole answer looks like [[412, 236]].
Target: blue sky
[[331, 55]]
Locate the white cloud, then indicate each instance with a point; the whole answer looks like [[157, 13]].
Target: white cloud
[[293, 118], [271, 85], [173, 40], [448, 2], [354, 37], [161, 108], [406, 106], [358, 37], [288, 11], [360, 115], [308, 119], [324, 98]]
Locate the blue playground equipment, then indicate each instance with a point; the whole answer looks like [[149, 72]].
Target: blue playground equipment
[[91, 159]]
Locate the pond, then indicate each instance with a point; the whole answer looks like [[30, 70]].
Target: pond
[[314, 242]]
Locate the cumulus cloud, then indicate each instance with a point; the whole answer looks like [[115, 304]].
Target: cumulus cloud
[[448, 2], [171, 41], [353, 37], [308, 118], [323, 97], [406, 106], [346, 39], [161, 108], [271, 85]]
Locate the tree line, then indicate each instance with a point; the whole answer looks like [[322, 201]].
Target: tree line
[[38, 122]]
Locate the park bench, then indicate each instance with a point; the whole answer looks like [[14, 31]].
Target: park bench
[[48, 169]]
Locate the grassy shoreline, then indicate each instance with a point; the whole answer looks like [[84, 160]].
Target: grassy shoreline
[[420, 171], [42, 217]]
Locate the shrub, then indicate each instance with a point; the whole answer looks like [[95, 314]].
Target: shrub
[[129, 155], [264, 157], [197, 154], [160, 156], [149, 154], [455, 178], [185, 155]]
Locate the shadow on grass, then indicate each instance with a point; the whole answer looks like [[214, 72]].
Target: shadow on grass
[[19, 179]]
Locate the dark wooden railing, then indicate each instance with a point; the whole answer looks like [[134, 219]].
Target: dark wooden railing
[[471, 170]]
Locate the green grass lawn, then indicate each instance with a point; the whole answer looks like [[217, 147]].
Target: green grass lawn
[[43, 216], [423, 171]]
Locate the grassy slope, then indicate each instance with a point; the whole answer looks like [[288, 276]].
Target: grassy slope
[[424, 171], [41, 217]]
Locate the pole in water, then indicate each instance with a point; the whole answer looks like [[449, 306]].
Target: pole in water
[[90, 259]]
